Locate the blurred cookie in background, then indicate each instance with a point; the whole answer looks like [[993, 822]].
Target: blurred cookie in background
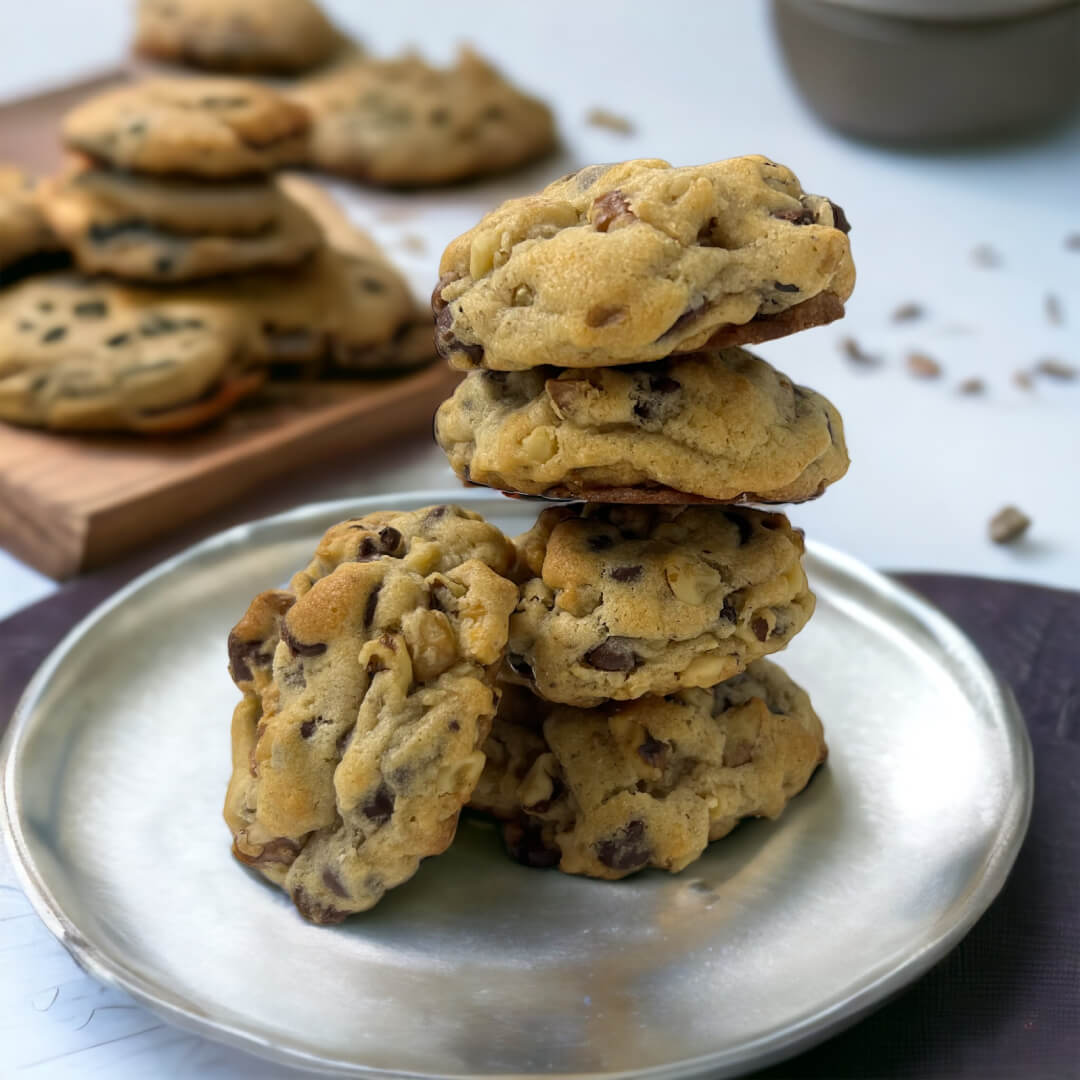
[[27, 244], [405, 123], [266, 37]]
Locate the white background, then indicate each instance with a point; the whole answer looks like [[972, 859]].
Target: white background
[[700, 81]]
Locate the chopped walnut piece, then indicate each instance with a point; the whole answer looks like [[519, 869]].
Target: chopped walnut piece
[[1008, 525]]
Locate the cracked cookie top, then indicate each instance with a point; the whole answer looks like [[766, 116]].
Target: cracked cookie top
[[721, 426], [190, 127], [368, 693], [609, 791], [622, 601], [618, 264]]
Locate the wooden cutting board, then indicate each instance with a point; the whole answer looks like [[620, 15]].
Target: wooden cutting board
[[69, 503]]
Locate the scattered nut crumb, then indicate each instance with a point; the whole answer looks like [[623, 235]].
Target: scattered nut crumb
[[851, 349], [908, 312], [1055, 314], [1072, 242], [923, 366], [1055, 368], [414, 242], [973, 385], [1023, 380], [605, 118], [1008, 524], [985, 256]]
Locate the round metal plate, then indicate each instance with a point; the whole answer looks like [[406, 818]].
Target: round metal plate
[[114, 774]]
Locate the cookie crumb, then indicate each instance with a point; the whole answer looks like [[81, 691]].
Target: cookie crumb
[[1055, 314], [1072, 242], [908, 312], [985, 256], [857, 355], [1008, 524], [973, 385], [1056, 369], [414, 242], [605, 118], [1022, 379], [923, 366]]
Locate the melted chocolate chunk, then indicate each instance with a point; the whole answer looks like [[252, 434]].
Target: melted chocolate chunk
[[334, 883], [91, 309], [55, 334], [380, 806], [524, 842], [373, 547], [652, 751], [244, 654], [117, 340], [664, 384], [687, 317], [728, 610], [314, 910], [299, 648], [626, 574], [779, 286], [307, 728], [760, 627], [615, 654], [840, 220], [625, 850]]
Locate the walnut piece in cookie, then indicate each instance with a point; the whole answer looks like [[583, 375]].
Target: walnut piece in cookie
[[404, 123], [722, 426], [252, 36], [651, 782], [208, 127], [622, 601], [677, 260], [369, 689]]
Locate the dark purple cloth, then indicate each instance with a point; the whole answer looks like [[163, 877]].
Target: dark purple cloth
[[1006, 1002]]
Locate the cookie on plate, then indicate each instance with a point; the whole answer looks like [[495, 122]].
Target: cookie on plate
[[629, 785], [622, 601], [404, 123], [81, 355], [369, 689], [722, 426], [26, 242], [617, 264], [206, 127], [112, 239], [255, 36]]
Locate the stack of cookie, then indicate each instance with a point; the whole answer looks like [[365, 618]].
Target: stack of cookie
[[201, 271], [601, 321]]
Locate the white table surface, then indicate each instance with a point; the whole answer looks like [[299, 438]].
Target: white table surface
[[700, 82]]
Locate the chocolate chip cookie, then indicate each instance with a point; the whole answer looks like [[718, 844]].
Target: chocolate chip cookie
[[190, 127], [618, 264], [405, 123], [368, 693], [722, 426], [622, 601], [77, 354], [26, 241], [629, 785], [106, 238], [255, 36]]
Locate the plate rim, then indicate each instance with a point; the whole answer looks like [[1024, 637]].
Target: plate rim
[[772, 1046]]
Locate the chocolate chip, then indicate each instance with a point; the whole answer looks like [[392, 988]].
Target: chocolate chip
[[91, 309], [802, 216], [435, 513], [840, 220], [781, 287], [380, 806], [447, 342], [372, 285], [45, 305], [626, 849], [760, 626], [370, 606], [454, 725], [728, 610], [742, 523], [615, 654], [242, 655], [610, 208], [299, 648], [600, 541], [163, 264], [314, 910], [307, 728], [386, 543], [117, 340], [626, 574], [137, 128], [524, 842], [334, 883], [55, 334], [643, 410], [652, 751], [24, 325]]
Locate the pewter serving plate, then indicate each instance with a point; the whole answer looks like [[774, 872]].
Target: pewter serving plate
[[115, 771]]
